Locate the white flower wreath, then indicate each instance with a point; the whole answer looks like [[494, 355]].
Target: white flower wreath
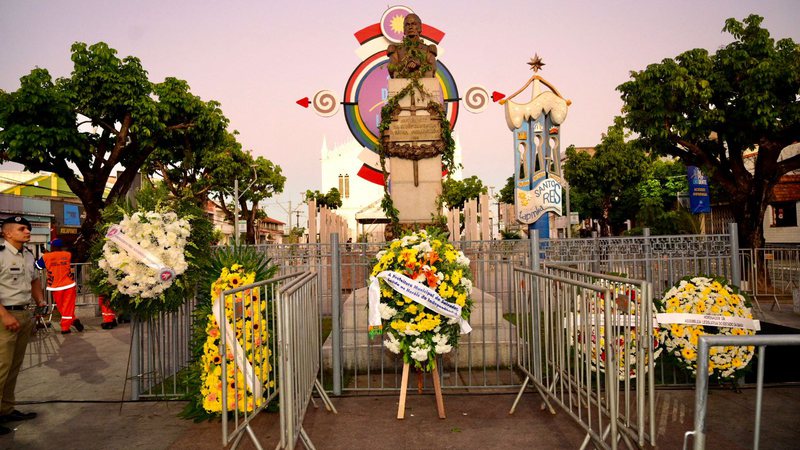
[[164, 236]]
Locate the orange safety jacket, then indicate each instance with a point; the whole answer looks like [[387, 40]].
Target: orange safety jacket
[[59, 270]]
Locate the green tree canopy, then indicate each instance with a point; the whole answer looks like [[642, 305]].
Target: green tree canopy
[[259, 179], [709, 109], [331, 200], [603, 185], [184, 161], [456, 192], [107, 114], [506, 194]]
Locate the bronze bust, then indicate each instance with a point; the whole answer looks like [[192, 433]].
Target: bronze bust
[[413, 58]]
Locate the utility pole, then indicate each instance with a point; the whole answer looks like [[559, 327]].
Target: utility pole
[[236, 196]]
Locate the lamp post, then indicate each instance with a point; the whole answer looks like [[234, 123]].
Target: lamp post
[[236, 196]]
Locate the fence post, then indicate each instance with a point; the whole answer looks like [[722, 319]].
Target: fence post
[[648, 262], [736, 268], [535, 251], [136, 370], [336, 326], [595, 253]]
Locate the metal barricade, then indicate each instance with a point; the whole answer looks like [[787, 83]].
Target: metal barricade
[[243, 314], [160, 352], [632, 304], [701, 385], [569, 348], [299, 363], [771, 274], [288, 307]]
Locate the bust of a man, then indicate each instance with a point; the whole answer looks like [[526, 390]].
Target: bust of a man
[[413, 58]]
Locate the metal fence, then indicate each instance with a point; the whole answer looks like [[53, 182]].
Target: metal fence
[[299, 361], [771, 275], [701, 386], [661, 260], [160, 352], [484, 359], [586, 344], [246, 317], [352, 362]]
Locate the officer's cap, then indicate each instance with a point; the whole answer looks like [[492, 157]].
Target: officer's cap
[[56, 243], [17, 220]]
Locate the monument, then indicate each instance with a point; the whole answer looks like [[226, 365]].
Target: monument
[[412, 137]]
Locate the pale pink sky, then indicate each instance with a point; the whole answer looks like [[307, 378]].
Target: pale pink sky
[[258, 57]]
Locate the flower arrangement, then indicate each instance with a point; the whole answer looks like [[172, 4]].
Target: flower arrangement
[[161, 235], [252, 334], [713, 307], [627, 342], [418, 332]]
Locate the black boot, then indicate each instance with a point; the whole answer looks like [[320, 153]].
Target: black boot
[[78, 325]]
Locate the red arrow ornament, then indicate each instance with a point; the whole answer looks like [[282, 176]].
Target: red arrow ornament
[[304, 102], [496, 96]]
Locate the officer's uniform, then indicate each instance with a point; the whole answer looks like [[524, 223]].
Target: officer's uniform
[[16, 275]]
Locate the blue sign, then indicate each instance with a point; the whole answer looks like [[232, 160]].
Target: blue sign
[[699, 199], [72, 216]]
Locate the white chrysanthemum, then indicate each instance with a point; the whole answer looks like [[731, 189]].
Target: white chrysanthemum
[[441, 346], [419, 351], [391, 343], [461, 259], [387, 312], [467, 285]]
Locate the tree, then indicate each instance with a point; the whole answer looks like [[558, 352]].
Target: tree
[[331, 200], [456, 192], [106, 114], [658, 192], [506, 195], [603, 185], [709, 109], [184, 162], [259, 178]]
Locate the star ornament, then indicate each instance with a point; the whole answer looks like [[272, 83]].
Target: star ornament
[[536, 63]]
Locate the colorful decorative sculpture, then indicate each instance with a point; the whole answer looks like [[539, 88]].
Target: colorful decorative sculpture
[[537, 151]]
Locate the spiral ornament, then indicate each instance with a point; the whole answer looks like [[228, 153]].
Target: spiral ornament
[[325, 103]]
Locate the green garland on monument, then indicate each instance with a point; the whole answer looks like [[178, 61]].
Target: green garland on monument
[[448, 151]]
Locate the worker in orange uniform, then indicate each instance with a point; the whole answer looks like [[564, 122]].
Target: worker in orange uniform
[[109, 317], [61, 284]]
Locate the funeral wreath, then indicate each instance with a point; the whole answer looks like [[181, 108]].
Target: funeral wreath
[[420, 297]]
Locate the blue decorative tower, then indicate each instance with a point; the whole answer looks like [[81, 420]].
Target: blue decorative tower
[[537, 151]]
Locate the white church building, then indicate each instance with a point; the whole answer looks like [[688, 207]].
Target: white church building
[[340, 166]]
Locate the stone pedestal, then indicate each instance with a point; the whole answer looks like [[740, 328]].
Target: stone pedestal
[[489, 344], [416, 182], [416, 203]]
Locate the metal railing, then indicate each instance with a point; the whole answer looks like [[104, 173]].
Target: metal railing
[[576, 325], [160, 352], [299, 361], [559, 350], [632, 308], [701, 386], [243, 315], [770, 273]]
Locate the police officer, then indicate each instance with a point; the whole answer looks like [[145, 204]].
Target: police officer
[[17, 285]]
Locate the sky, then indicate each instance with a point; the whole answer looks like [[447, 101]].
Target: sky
[[258, 57]]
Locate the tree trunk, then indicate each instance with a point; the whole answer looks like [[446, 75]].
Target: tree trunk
[[87, 233], [605, 222]]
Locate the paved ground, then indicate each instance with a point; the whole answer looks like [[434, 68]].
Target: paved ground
[[75, 383]]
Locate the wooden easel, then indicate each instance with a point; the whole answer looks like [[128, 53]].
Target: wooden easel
[[437, 388]]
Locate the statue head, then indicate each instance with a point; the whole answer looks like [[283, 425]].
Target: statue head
[[412, 26]]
